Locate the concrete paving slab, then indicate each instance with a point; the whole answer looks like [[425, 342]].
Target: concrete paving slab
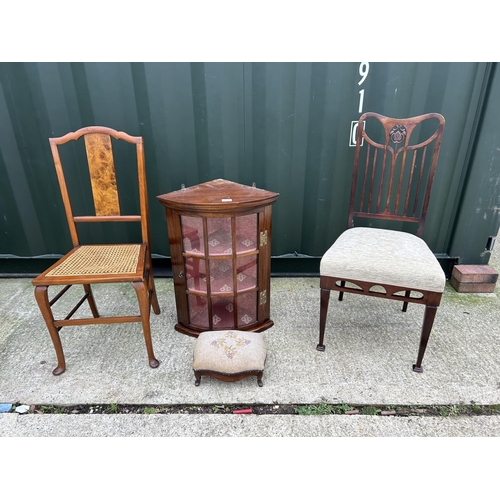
[[370, 348], [12, 425]]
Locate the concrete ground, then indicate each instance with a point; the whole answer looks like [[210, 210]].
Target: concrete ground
[[370, 348]]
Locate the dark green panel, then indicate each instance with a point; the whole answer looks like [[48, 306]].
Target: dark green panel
[[284, 126], [24, 160], [478, 218], [12, 234]]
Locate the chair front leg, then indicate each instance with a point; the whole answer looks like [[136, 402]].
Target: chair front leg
[[430, 314], [325, 299], [42, 299], [142, 291]]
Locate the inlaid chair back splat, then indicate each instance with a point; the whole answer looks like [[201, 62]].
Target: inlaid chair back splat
[[90, 264], [392, 180]]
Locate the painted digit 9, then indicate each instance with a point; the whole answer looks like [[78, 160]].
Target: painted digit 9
[[364, 69]]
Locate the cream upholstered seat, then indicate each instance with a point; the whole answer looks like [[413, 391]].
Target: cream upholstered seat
[[229, 355], [398, 161], [385, 257]]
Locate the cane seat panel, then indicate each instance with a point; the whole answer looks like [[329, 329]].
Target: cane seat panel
[[99, 260]]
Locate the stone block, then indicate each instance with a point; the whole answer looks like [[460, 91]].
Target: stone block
[[474, 279]]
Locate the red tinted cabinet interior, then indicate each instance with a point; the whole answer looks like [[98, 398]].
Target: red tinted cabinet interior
[[220, 244]]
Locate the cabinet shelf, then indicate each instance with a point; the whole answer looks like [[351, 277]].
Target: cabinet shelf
[[220, 243]]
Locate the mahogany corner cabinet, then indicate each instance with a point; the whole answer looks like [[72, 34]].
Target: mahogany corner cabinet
[[220, 245]]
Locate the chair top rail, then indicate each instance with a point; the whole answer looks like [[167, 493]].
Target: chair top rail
[[409, 123], [70, 136]]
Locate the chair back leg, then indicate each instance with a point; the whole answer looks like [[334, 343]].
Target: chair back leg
[[91, 301], [405, 304], [151, 287], [341, 294]]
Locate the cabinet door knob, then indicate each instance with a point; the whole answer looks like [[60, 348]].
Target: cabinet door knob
[[181, 274]]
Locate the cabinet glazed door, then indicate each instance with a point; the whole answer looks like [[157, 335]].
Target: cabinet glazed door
[[221, 259], [195, 265]]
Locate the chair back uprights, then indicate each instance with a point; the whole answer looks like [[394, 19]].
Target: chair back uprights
[[394, 167], [101, 165]]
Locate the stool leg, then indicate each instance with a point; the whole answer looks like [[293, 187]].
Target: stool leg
[[198, 379], [259, 379]]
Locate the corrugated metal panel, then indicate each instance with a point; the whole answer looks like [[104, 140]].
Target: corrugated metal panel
[[284, 126], [478, 214]]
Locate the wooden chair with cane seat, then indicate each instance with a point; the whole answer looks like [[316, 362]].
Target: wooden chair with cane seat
[[392, 179], [91, 264]]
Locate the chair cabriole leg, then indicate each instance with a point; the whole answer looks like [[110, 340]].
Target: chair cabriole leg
[[325, 298], [430, 314], [42, 299], [142, 291]]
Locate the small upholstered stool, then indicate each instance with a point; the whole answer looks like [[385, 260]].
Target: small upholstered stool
[[229, 355]]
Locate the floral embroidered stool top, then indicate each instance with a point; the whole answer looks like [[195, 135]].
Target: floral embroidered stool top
[[229, 355]]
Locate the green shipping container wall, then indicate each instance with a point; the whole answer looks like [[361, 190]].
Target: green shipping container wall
[[288, 127]]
